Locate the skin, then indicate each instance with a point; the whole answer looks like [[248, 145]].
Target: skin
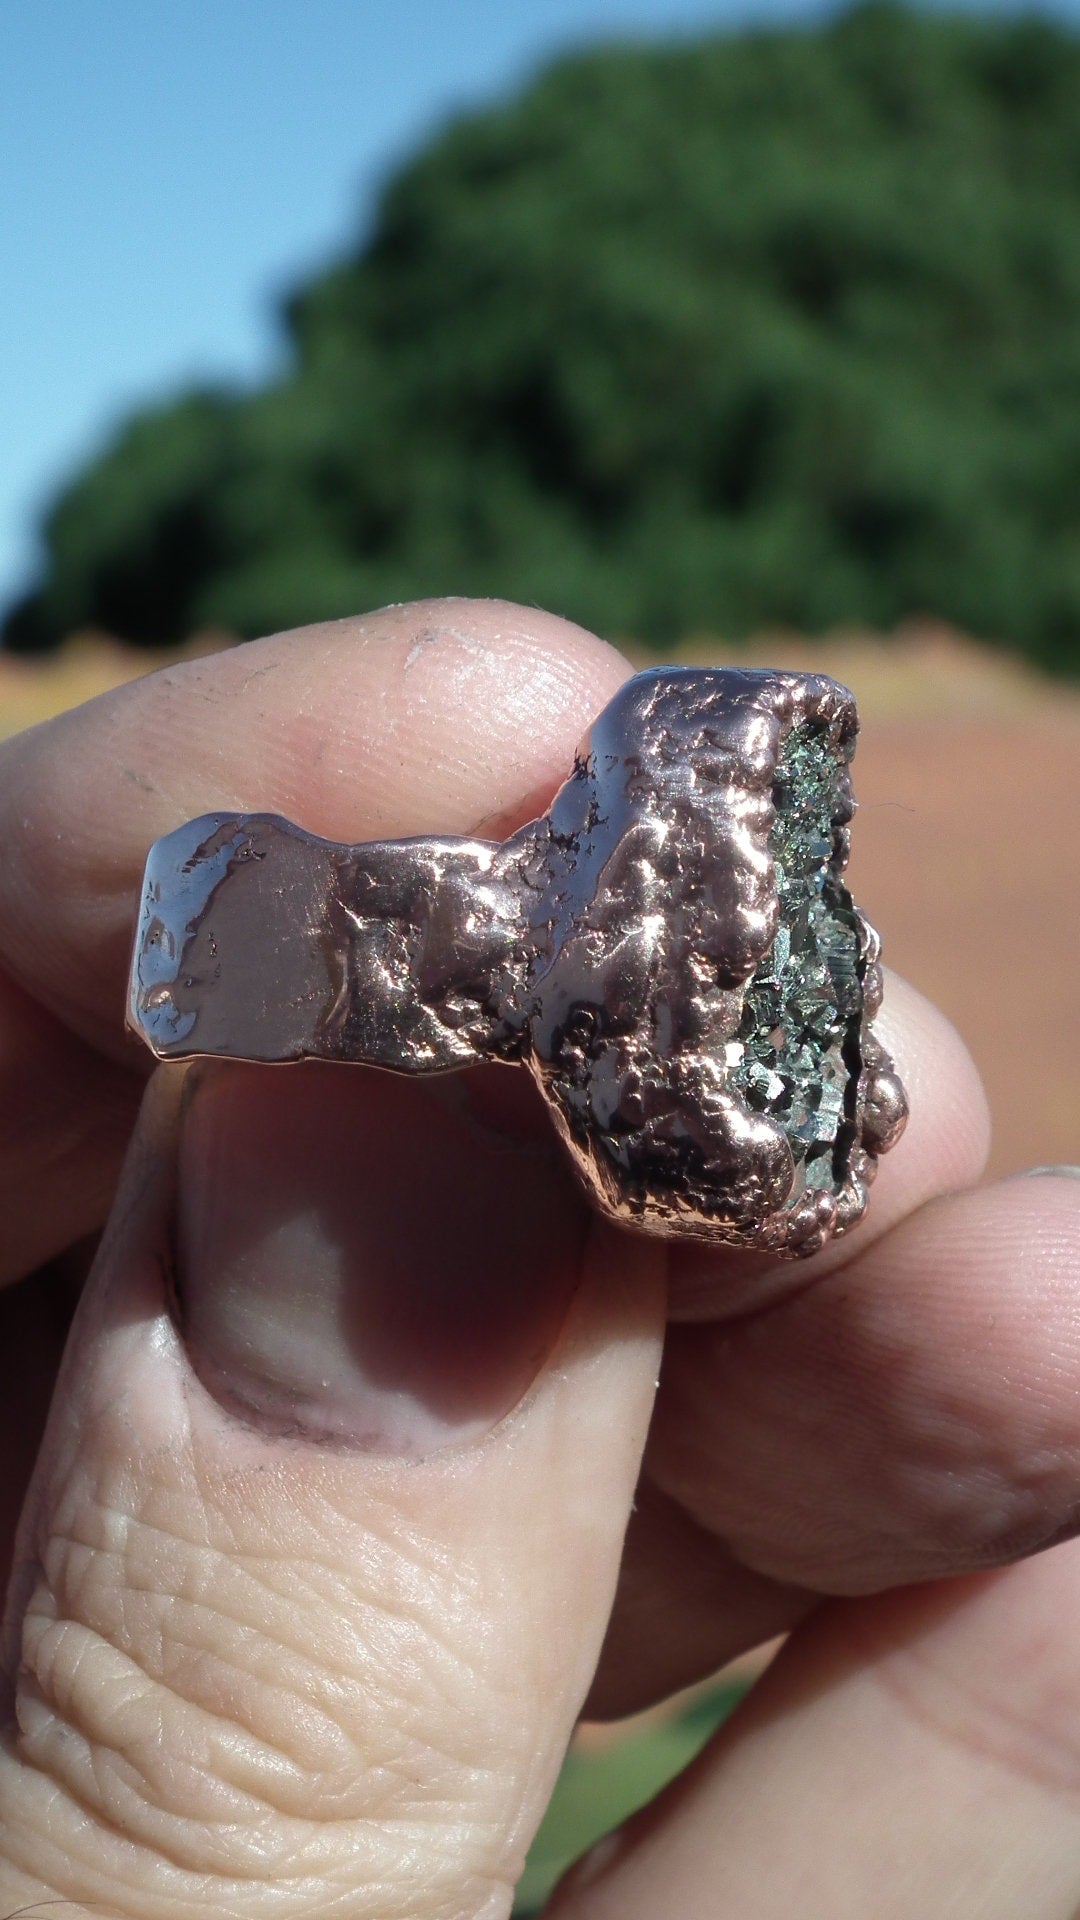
[[301, 1619]]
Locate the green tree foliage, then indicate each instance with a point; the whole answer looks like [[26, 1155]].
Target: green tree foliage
[[776, 327]]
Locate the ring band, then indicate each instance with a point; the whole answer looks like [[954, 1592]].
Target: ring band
[[670, 949]]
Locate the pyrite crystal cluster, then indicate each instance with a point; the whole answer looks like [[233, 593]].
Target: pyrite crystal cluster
[[670, 949], [802, 1021]]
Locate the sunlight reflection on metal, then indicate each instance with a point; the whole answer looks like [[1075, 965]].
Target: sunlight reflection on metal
[[670, 949]]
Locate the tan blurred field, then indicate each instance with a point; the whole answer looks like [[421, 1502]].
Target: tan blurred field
[[966, 842]]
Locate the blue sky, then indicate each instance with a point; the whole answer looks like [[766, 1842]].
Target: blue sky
[[167, 170]]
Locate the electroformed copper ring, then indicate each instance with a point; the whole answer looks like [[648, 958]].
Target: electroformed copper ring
[[670, 949]]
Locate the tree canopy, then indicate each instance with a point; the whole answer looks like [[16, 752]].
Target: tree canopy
[[775, 327]]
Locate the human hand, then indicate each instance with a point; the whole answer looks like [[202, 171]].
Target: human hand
[[262, 1664]]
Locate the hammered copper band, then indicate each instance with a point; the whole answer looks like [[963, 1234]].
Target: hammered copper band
[[670, 949]]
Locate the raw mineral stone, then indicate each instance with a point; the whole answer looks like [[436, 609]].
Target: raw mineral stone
[[802, 1021]]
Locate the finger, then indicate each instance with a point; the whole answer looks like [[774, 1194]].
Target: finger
[[915, 1753], [685, 1605], [913, 1415], [34, 1323], [65, 1118], [435, 716], [315, 1566], [445, 714], [685, 1558]]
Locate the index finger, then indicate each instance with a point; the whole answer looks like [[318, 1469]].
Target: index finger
[[437, 715]]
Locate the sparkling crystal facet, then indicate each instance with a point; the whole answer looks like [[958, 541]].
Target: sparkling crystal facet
[[803, 1013]]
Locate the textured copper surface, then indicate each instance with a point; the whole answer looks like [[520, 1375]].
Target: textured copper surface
[[608, 945]]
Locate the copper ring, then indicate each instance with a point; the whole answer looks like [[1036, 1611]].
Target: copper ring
[[670, 949]]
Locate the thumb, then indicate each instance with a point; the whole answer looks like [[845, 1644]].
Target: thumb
[[323, 1537]]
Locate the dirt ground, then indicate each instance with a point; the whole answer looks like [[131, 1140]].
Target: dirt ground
[[966, 843]]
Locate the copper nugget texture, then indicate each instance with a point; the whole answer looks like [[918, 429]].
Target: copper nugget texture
[[670, 950]]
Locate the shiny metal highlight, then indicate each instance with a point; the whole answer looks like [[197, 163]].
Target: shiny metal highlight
[[609, 946]]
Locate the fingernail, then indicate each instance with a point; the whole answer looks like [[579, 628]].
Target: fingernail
[[1033, 1173], [357, 1261]]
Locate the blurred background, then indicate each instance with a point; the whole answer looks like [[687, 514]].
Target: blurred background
[[736, 332]]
